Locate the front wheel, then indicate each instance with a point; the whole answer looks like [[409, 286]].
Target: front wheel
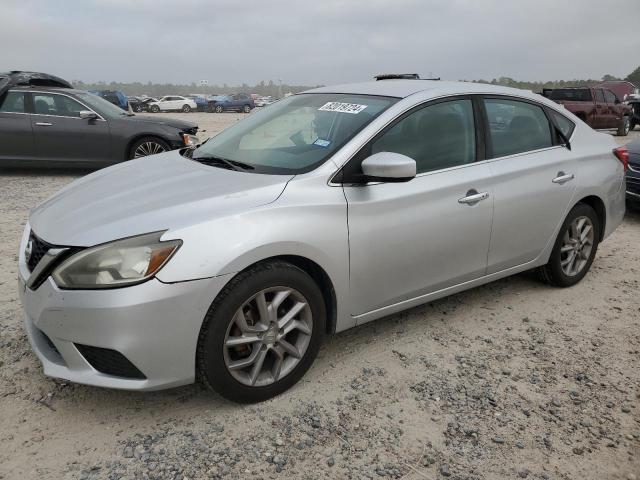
[[147, 146], [186, 108], [155, 108], [246, 109], [624, 127], [219, 109], [575, 248], [262, 333]]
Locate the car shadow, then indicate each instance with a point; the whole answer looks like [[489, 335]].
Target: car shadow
[[168, 403]]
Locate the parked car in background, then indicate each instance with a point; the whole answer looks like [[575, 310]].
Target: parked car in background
[[263, 101], [634, 103], [622, 88], [597, 107], [173, 103], [141, 104], [56, 126], [116, 97], [238, 102], [633, 174], [329, 209], [201, 102]]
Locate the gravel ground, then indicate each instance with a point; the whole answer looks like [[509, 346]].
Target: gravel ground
[[510, 380]]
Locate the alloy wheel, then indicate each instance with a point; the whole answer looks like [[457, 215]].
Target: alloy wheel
[[576, 246], [148, 148], [268, 336]]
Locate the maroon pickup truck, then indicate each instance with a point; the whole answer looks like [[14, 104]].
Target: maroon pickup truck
[[598, 107]]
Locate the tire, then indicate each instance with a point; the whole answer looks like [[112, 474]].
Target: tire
[[219, 109], [624, 127], [137, 109], [186, 108], [154, 109], [152, 145], [554, 273], [246, 109], [215, 361]]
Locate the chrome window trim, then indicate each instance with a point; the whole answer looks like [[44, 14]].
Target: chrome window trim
[[100, 117], [331, 183]]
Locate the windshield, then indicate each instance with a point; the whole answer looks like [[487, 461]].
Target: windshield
[[571, 94], [296, 134], [102, 106]]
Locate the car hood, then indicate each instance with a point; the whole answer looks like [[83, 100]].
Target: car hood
[[172, 122], [154, 193]]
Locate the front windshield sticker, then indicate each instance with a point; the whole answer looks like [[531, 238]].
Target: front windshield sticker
[[342, 107], [322, 143]]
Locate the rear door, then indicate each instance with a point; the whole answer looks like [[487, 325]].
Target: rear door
[[533, 178], [602, 115], [613, 109], [16, 135], [62, 136]]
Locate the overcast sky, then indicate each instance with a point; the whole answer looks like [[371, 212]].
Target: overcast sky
[[318, 42]]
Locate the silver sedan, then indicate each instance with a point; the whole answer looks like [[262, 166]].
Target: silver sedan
[[329, 209]]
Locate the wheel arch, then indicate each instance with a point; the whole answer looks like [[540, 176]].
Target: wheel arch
[[597, 204], [139, 136], [318, 274]]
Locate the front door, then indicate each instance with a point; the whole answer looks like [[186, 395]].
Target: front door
[[61, 135], [413, 238]]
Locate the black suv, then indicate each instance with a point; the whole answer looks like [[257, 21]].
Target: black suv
[[45, 121]]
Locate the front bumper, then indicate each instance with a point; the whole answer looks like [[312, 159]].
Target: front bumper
[[154, 325]]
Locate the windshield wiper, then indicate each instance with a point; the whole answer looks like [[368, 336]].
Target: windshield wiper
[[219, 161]]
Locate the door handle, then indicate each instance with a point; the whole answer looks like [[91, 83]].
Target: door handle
[[44, 124], [563, 178], [473, 197]]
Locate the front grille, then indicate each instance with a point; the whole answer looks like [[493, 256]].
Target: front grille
[[109, 362], [38, 249]]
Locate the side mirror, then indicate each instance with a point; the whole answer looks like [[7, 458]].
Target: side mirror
[[388, 167], [88, 115]]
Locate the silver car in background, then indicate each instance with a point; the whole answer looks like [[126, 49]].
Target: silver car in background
[[327, 210]]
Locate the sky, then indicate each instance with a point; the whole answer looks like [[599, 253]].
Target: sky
[[318, 42]]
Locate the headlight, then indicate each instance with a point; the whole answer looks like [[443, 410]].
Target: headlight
[[190, 140], [116, 264]]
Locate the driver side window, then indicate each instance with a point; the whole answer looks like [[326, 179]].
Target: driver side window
[[437, 136]]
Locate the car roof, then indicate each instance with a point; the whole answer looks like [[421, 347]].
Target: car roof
[[401, 88], [47, 89]]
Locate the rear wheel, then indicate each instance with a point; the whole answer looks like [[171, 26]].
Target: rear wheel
[[147, 146], [186, 108], [624, 127], [575, 248], [262, 333]]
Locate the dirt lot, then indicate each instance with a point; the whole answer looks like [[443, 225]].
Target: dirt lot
[[510, 380]]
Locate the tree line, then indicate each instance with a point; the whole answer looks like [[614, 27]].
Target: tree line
[[277, 90]]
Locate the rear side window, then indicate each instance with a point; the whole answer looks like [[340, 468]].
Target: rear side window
[[565, 125], [436, 137], [516, 127], [609, 96], [599, 95], [13, 103]]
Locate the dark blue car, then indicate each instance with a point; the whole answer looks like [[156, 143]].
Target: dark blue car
[[237, 102], [116, 97], [201, 102], [633, 174]]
